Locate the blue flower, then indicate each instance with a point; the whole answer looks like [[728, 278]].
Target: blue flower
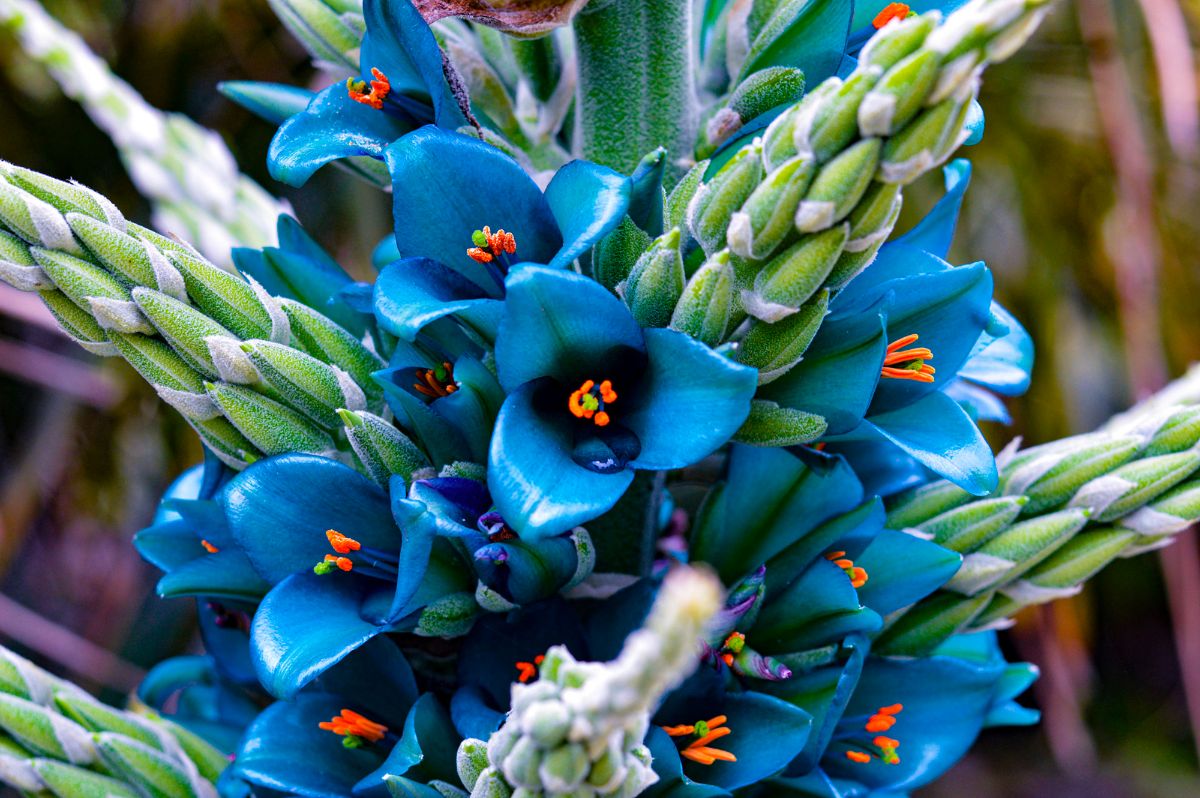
[[592, 396], [403, 86], [931, 708], [885, 367], [457, 243], [358, 730], [296, 514]]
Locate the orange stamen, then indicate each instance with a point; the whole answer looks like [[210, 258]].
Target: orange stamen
[[894, 709], [210, 548], [699, 750], [352, 724], [527, 670], [907, 364], [858, 576], [341, 543], [886, 742], [858, 756], [345, 563], [589, 400], [380, 89], [488, 245], [891, 11], [478, 255], [433, 386], [601, 419]]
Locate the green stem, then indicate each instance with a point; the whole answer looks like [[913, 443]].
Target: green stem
[[636, 89]]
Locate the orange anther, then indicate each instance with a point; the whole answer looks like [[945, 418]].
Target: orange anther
[[341, 543], [894, 709], [345, 563], [527, 670], [891, 11], [886, 742], [880, 723], [210, 548], [699, 750], [907, 364], [601, 419], [858, 756], [479, 255], [380, 88], [350, 723]]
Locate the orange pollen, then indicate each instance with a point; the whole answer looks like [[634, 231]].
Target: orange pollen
[[345, 563], [527, 670], [891, 11], [350, 723], [436, 382], [488, 245], [907, 364], [886, 742], [589, 401], [705, 731], [858, 576], [340, 543], [858, 756], [210, 548], [380, 89]]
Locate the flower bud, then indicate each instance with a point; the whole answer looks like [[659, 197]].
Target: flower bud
[[1124, 489], [716, 202], [899, 94], [774, 349], [383, 450], [305, 383], [767, 217], [838, 187], [791, 278], [330, 343], [964, 529], [271, 426], [923, 143], [78, 323], [656, 282], [1051, 478], [705, 308], [769, 424]]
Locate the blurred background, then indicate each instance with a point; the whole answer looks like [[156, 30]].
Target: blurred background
[[1084, 203]]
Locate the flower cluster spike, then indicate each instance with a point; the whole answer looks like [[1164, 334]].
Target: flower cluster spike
[[807, 205], [579, 728], [1063, 511], [55, 739], [215, 346], [184, 169]]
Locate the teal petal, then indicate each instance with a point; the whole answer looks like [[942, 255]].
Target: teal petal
[[1002, 363], [818, 608], [309, 623], [587, 201], [413, 292], [226, 574], [902, 569], [934, 233], [445, 186], [279, 509], [537, 487], [806, 35], [273, 102], [426, 751], [692, 399]]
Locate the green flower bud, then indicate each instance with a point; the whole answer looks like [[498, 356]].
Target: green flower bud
[[272, 427], [36, 221], [965, 528], [167, 373], [795, 275], [871, 222], [617, 253], [1180, 431], [69, 781], [94, 716], [134, 259], [564, 768], [450, 616], [490, 784], [914, 507], [835, 126], [1124, 489], [17, 266], [704, 309], [152, 771], [1051, 479], [774, 349], [78, 323], [305, 383], [520, 766], [838, 187], [716, 202], [922, 628], [65, 197], [471, 761], [45, 732], [899, 94], [681, 196], [329, 342], [1025, 545], [184, 327], [1172, 512], [923, 143], [1064, 572], [244, 308], [231, 446], [329, 33], [768, 216], [384, 450], [656, 283], [93, 290], [772, 425], [793, 136], [897, 40]]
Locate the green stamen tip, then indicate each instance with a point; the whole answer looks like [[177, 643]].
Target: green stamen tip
[[351, 741], [590, 402], [440, 374], [479, 239], [322, 568], [701, 729], [914, 366]]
